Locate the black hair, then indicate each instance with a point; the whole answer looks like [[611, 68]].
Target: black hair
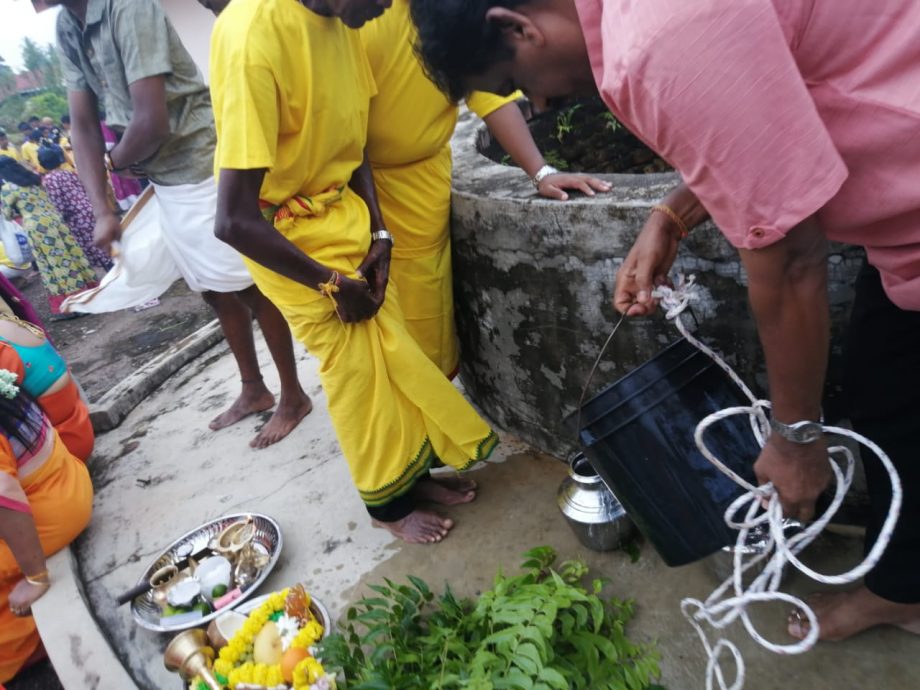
[[50, 157], [456, 41], [35, 135], [19, 421], [65, 119], [23, 126], [34, 118], [11, 171]]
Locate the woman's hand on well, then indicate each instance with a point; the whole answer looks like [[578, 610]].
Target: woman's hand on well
[[25, 594], [798, 472], [646, 266], [554, 186]]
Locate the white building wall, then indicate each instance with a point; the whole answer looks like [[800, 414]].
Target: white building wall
[[194, 24]]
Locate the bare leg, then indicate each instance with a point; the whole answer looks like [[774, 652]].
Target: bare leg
[[446, 491], [236, 322], [295, 404], [844, 614], [419, 527]]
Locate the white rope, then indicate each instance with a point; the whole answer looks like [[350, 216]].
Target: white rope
[[731, 600]]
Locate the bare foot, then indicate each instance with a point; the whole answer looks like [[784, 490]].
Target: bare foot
[[255, 397], [445, 491], [419, 527], [283, 421], [844, 614]]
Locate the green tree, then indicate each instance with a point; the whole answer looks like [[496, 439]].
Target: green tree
[[51, 103], [33, 57], [54, 75], [7, 79]]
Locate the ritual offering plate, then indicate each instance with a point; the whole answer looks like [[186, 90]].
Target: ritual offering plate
[[206, 572], [266, 644]]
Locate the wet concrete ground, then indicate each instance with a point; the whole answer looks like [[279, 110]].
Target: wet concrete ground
[[163, 473]]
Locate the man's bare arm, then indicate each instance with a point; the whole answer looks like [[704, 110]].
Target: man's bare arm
[[149, 128]]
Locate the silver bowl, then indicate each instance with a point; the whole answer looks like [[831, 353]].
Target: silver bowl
[[267, 540]]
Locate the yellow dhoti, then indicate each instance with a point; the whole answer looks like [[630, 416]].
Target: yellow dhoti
[[415, 202], [393, 409]]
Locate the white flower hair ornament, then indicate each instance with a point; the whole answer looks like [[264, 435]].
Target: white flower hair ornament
[[8, 387]]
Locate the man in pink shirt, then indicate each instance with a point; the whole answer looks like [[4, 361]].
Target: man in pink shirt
[[791, 122]]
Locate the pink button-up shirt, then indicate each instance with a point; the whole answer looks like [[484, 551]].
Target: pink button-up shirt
[[773, 110]]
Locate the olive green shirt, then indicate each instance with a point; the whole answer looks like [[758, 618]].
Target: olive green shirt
[[125, 41]]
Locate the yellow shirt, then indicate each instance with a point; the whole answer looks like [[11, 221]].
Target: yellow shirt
[[68, 163], [290, 91], [30, 156], [410, 119], [11, 152]]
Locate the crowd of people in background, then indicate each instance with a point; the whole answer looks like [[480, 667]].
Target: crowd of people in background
[[41, 192]]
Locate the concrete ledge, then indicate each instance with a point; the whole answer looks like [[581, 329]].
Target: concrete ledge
[[110, 410], [79, 652]]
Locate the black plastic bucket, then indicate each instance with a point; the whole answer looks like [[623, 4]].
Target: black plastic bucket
[[638, 435]]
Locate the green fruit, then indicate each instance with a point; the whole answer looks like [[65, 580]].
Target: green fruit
[[219, 591], [203, 607], [174, 611]]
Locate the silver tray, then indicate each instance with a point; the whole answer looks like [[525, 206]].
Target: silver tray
[[267, 539]]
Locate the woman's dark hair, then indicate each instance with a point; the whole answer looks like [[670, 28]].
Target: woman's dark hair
[[51, 157], [456, 41], [18, 420], [11, 171], [65, 119], [35, 135]]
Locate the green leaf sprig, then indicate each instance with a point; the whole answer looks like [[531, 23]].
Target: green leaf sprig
[[540, 630]]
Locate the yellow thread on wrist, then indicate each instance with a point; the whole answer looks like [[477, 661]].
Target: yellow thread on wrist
[[328, 289], [670, 213]]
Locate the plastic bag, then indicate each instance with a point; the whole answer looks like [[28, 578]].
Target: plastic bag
[[15, 243]]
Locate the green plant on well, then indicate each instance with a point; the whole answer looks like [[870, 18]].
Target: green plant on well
[[564, 124], [555, 159], [541, 630], [611, 123]]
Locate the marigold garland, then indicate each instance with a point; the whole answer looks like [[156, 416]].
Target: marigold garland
[[235, 666]]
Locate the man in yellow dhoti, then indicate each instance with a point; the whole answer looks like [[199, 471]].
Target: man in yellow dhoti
[[408, 145], [291, 86]]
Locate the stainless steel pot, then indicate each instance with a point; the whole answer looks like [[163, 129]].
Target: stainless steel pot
[[592, 511]]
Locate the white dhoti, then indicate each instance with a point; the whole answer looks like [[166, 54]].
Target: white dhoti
[[168, 234]]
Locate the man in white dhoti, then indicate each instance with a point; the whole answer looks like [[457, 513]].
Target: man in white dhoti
[[125, 56]]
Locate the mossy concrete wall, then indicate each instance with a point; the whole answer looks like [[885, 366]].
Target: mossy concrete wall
[[533, 285]]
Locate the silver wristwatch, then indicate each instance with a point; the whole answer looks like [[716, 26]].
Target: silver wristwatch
[[800, 432], [382, 235], [542, 174]]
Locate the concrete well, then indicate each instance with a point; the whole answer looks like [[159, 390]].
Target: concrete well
[[534, 278]]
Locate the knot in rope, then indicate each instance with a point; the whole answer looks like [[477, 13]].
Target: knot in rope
[[675, 300]]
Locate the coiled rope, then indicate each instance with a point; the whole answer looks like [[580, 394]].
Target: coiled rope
[[731, 600]]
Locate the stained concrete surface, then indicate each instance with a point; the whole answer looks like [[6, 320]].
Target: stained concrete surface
[[162, 473]]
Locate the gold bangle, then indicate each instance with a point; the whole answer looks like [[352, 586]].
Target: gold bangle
[[670, 213], [39, 579]]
